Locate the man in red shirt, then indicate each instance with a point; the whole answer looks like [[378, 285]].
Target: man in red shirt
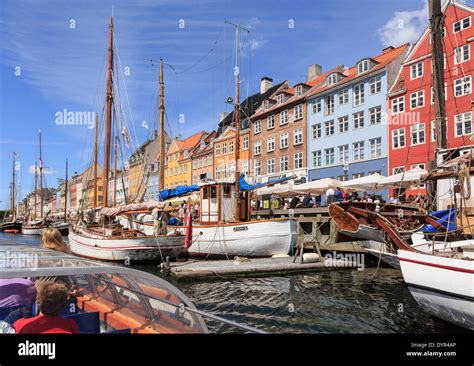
[[51, 298]]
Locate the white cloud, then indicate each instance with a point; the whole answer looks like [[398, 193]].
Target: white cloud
[[404, 26], [46, 170], [256, 43]]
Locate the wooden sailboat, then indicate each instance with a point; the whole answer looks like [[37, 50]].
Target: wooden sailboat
[[63, 225], [12, 225], [109, 241]]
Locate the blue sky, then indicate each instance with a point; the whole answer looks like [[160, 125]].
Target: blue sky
[[59, 49]]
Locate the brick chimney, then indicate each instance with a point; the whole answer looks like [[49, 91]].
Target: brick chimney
[[265, 84], [314, 71]]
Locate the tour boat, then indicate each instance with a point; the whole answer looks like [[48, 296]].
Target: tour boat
[[107, 298]]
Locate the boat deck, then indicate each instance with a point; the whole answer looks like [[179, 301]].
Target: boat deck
[[255, 267]]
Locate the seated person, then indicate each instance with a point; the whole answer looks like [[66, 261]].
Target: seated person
[[51, 298], [52, 239], [17, 295]]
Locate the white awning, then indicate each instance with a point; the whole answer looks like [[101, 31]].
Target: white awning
[[281, 189], [319, 186], [367, 183], [402, 180]]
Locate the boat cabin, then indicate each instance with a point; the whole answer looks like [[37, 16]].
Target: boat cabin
[[218, 203]]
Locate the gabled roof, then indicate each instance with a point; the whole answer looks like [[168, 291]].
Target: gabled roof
[[351, 74], [248, 107], [199, 150], [188, 144]]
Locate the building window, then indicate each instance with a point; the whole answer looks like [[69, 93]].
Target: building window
[[417, 99], [270, 166], [418, 134], [329, 104], [299, 111], [398, 170], [284, 140], [462, 86], [258, 168], [299, 160], [194, 164], [257, 127], [358, 150], [218, 150], [462, 54], [329, 127], [224, 148], [463, 123], [357, 175], [270, 122], [375, 115], [398, 138], [245, 144], [417, 166], [329, 156], [257, 148], [316, 130], [299, 90], [231, 146], [280, 98], [317, 160], [343, 124], [363, 66], [284, 117], [343, 152], [343, 96], [317, 106], [298, 136], [332, 79], [375, 85], [284, 164], [398, 105], [358, 94], [358, 119], [375, 147], [416, 70], [461, 24], [271, 144]]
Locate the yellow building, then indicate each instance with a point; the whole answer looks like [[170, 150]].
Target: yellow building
[[178, 164], [87, 194]]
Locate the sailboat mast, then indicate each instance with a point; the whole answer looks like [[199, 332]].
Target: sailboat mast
[[36, 187], [436, 27], [115, 171], [162, 129], [237, 127], [65, 196], [96, 153], [108, 117], [12, 201], [41, 178]]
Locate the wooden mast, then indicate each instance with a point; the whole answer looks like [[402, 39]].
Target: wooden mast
[[41, 178], [162, 129], [96, 153], [115, 171], [12, 198], [108, 117], [65, 196], [436, 26], [36, 187]]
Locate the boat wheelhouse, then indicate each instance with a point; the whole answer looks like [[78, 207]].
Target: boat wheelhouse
[[105, 298]]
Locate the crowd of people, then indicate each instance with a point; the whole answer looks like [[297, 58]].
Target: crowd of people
[[33, 305]]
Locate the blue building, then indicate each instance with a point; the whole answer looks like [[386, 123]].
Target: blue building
[[347, 129]]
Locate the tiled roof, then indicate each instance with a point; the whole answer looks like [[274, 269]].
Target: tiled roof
[[382, 60], [188, 144], [198, 150]]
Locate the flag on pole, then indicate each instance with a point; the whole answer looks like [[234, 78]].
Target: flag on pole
[[126, 137]]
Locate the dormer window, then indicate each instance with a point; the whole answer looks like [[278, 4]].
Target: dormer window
[[203, 144], [280, 98], [363, 66], [332, 79], [186, 154], [266, 104], [299, 90]]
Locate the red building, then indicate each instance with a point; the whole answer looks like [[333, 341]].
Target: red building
[[410, 100]]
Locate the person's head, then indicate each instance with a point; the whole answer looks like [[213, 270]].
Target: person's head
[[52, 296], [52, 239]]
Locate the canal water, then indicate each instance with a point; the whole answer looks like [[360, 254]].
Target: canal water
[[343, 301]]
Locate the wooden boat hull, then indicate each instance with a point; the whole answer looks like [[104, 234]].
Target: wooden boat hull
[[443, 286], [11, 227], [137, 249], [32, 230]]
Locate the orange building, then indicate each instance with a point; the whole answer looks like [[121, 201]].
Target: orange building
[[203, 159], [225, 153]]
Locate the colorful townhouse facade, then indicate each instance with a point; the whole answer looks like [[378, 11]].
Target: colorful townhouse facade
[[225, 153], [279, 133], [347, 129], [412, 130], [178, 164], [203, 159]]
